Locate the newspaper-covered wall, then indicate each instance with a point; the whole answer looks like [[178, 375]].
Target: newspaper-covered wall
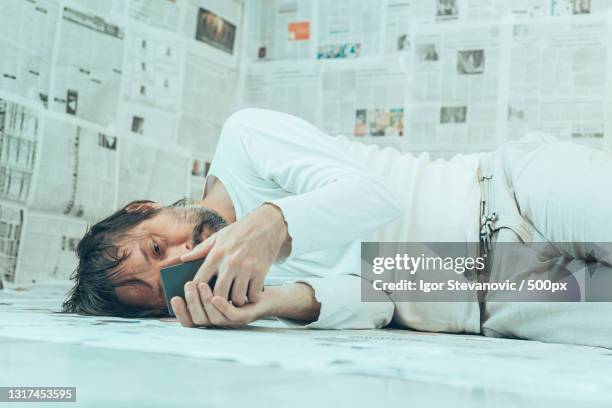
[[103, 102], [443, 76], [107, 101]]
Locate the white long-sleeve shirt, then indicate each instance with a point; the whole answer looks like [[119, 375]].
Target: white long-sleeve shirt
[[335, 193]]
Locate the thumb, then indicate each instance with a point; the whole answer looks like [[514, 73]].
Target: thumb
[[201, 250]]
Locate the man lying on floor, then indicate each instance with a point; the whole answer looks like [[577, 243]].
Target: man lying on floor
[[284, 198]]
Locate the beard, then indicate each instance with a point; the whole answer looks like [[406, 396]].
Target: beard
[[205, 220]]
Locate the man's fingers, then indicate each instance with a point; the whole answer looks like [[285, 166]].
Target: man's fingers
[[209, 268], [215, 316], [225, 279], [194, 304], [239, 290], [174, 260], [180, 310], [230, 312], [256, 287], [205, 292], [201, 250]]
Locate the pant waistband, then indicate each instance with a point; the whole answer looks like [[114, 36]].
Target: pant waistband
[[498, 207]]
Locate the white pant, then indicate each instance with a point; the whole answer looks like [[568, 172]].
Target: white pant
[[563, 193]]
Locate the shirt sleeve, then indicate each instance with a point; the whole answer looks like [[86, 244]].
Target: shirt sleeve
[[342, 307], [333, 200]]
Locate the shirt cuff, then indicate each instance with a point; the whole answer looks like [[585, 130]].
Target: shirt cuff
[[341, 305]]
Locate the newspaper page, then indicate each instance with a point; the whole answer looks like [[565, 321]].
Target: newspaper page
[[19, 136], [281, 29], [454, 99], [88, 67], [215, 26], [152, 69], [11, 224], [144, 121], [557, 69], [607, 142], [77, 173], [284, 86], [198, 135], [151, 171], [367, 101], [260, 23], [163, 14], [398, 24], [151, 84], [349, 29], [47, 250], [200, 165], [209, 96], [27, 33]]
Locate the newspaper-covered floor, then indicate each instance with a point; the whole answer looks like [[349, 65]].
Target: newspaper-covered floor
[[455, 360]]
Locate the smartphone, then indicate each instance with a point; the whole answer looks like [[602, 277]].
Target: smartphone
[[175, 277]]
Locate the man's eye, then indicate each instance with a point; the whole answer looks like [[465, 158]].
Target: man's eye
[[156, 249]]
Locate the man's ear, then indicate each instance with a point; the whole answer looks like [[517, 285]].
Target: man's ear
[[139, 206]]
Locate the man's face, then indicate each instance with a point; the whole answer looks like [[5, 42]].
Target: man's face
[[157, 243]]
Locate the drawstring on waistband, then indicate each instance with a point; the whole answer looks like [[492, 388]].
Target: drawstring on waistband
[[486, 218]]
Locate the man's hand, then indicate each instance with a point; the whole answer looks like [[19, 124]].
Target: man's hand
[[203, 309], [241, 254]]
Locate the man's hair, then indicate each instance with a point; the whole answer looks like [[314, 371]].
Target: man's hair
[[100, 256]]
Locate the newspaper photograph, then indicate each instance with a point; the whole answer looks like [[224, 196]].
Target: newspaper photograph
[[215, 31], [27, 33], [11, 225], [578, 7], [87, 80], [77, 173], [19, 138]]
